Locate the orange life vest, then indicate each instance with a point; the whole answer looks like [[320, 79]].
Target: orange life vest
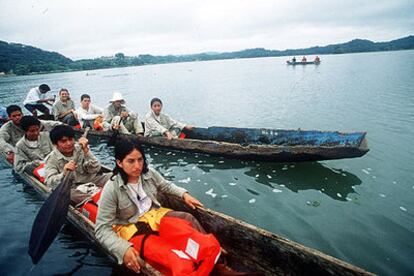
[[40, 173], [90, 208], [178, 248]]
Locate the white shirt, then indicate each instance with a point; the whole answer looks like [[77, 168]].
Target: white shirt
[[33, 96], [92, 113], [141, 200]]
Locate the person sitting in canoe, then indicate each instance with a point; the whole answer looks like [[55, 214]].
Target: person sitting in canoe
[[129, 209], [36, 98], [294, 59], [33, 147], [121, 118], [304, 59], [317, 59], [87, 112], [160, 124], [11, 132], [64, 109], [66, 156]]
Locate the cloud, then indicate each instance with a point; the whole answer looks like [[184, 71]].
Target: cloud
[[92, 28]]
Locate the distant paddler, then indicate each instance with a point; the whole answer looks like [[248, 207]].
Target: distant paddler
[[33, 147], [36, 98], [68, 156], [304, 59], [11, 132], [161, 124], [64, 109], [317, 59], [121, 118]]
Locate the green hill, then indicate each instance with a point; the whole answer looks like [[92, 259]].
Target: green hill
[[22, 59]]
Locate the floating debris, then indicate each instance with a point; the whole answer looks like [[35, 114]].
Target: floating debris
[[276, 190], [186, 180], [253, 200], [403, 209], [210, 193], [365, 171], [232, 184]]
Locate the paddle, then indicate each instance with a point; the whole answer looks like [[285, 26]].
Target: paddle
[[51, 217]]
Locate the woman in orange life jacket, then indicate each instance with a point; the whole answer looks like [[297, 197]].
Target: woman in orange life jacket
[[128, 207]]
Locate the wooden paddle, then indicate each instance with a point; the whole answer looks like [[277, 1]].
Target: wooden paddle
[[51, 217]]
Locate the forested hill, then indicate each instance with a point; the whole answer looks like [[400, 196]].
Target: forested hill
[[22, 59]]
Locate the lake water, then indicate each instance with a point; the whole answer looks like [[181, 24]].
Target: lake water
[[359, 210]]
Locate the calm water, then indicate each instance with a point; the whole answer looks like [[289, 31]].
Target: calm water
[[359, 210]]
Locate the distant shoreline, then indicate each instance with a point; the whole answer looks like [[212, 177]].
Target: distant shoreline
[[18, 59]]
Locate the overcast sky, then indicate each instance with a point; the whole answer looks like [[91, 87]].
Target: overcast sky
[[94, 28]]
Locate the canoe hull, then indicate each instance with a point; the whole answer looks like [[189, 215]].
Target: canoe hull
[[248, 248], [302, 63], [318, 146]]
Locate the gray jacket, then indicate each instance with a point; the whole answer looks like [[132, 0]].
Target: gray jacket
[[86, 171], [158, 125], [59, 107], [10, 134], [26, 155], [117, 207]]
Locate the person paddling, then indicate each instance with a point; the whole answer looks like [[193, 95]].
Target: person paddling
[[68, 156], [161, 124], [129, 209]]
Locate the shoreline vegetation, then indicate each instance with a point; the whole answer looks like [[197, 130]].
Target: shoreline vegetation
[[19, 59]]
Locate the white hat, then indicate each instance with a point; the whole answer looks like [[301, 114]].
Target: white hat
[[117, 96]]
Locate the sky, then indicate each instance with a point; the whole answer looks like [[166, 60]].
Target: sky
[[94, 28]]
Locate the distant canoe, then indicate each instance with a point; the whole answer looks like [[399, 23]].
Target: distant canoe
[[275, 145], [303, 63]]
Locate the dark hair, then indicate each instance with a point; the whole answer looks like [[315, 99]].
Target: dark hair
[[44, 88], [63, 89], [85, 96], [12, 108], [28, 121], [154, 100], [123, 147], [60, 131]]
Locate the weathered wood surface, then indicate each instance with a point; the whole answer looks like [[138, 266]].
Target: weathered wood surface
[[273, 153]]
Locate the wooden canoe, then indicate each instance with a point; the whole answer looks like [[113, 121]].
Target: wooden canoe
[[302, 62], [274, 145], [248, 248]]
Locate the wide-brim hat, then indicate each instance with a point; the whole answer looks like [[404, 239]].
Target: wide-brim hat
[[117, 97]]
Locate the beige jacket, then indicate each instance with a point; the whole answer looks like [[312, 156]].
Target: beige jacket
[[132, 123], [10, 134], [117, 207], [158, 125], [27, 155], [59, 108], [87, 167]]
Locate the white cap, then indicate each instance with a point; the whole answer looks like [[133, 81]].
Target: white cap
[[117, 96]]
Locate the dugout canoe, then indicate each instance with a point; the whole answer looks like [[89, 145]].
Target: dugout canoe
[[273, 145], [302, 62], [248, 248]]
